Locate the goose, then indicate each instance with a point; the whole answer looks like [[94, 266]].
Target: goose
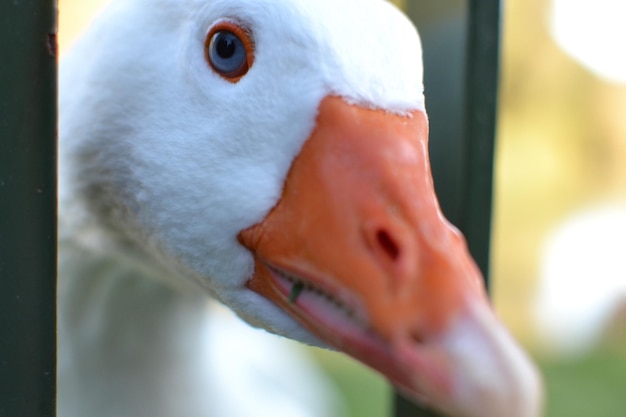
[[271, 155]]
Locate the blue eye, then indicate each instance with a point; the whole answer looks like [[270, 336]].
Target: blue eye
[[229, 51]]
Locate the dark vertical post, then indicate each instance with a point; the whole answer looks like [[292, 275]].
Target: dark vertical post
[[461, 59], [481, 96], [27, 208]]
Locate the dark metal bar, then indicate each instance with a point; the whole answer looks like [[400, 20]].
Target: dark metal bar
[[481, 96], [461, 56], [443, 29], [27, 208]]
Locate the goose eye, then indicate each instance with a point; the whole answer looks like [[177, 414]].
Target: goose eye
[[229, 50]]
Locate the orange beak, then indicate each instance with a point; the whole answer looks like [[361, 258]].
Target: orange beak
[[358, 252]]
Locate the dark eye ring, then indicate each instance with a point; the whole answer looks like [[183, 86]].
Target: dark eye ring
[[229, 50]]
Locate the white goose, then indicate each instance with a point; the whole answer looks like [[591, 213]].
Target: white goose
[[271, 154]]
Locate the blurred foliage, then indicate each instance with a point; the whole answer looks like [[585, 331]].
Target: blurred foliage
[[400, 3], [560, 147], [589, 386], [366, 393]]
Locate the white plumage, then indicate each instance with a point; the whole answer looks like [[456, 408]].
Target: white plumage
[[186, 135], [162, 162]]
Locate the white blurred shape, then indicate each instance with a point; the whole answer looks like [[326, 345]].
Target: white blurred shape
[[262, 375], [583, 279], [593, 32]]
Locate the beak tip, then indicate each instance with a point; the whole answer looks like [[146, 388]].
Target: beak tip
[[476, 369]]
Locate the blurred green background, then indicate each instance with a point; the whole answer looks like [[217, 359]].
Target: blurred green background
[[561, 147]]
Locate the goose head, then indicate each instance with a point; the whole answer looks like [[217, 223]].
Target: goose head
[[274, 153]]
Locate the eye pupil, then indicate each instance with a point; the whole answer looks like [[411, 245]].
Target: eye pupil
[[225, 46]]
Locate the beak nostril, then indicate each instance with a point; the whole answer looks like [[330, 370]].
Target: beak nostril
[[416, 337], [388, 245]]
